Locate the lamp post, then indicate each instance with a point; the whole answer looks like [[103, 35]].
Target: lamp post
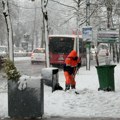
[[87, 42], [78, 6], [118, 13], [87, 12]]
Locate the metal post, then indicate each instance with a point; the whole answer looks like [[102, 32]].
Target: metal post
[[87, 43], [119, 41], [78, 53], [34, 38], [46, 44]]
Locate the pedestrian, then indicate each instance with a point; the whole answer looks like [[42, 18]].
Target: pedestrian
[[71, 66]]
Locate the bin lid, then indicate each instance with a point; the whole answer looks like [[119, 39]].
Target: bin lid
[[47, 73], [105, 66]]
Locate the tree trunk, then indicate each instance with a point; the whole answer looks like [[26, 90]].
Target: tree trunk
[[9, 29], [45, 18]]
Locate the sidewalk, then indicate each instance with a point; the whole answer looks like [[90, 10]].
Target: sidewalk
[[63, 118]]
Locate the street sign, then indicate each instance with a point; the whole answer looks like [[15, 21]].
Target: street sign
[[107, 40], [107, 36], [87, 33]]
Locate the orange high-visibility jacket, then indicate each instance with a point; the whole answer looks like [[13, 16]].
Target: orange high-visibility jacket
[[71, 63]]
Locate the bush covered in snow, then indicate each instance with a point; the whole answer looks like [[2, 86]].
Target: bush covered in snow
[[11, 70]]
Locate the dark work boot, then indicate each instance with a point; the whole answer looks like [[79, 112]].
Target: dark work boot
[[67, 87], [72, 86]]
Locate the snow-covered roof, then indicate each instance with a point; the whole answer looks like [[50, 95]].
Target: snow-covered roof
[[71, 36]]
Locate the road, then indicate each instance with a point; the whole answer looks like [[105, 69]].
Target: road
[[25, 67]]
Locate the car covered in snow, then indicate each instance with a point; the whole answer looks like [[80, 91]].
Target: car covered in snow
[[103, 49], [3, 50], [19, 52], [38, 55]]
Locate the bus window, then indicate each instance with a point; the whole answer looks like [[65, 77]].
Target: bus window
[[57, 45]]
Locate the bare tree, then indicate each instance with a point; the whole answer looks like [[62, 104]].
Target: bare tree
[[75, 8], [9, 28], [109, 5], [45, 18]]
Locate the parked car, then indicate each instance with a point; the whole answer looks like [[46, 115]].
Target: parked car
[[3, 51], [103, 52], [103, 49], [19, 52], [38, 55]]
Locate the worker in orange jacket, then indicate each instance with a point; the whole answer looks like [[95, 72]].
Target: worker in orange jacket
[[71, 66]]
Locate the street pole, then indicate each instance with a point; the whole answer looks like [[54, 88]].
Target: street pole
[[46, 44], [87, 43], [119, 42], [34, 41], [43, 33], [34, 36], [78, 53]]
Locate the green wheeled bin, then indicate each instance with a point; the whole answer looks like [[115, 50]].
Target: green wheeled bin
[[106, 77]]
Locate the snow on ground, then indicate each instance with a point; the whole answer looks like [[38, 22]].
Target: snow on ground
[[89, 103], [21, 58]]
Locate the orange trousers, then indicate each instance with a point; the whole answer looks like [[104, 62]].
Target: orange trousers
[[70, 79]]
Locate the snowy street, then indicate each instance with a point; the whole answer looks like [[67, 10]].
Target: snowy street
[[89, 103], [43, 43]]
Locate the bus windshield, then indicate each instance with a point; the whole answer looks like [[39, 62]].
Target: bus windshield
[[61, 44]]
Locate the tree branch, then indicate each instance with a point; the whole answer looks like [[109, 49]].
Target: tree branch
[[89, 16], [75, 1], [44, 10], [64, 4], [66, 20]]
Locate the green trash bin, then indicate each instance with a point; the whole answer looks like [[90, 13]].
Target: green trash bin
[[106, 77]]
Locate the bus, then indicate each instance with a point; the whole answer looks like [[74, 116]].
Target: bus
[[61, 45]]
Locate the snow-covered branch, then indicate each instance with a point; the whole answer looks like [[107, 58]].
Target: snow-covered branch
[[5, 7], [44, 9], [66, 20], [9, 28], [64, 4], [97, 7]]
